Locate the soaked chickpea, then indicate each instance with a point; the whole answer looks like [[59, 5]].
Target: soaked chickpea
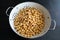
[[29, 22]]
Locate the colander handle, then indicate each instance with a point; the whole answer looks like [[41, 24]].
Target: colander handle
[[8, 10], [54, 25]]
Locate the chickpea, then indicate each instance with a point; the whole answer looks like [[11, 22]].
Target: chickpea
[[29, 22]]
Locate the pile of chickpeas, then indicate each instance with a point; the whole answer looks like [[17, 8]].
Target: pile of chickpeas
[[29, 22]]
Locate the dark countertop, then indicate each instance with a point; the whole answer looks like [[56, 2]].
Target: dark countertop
[[6, 32]]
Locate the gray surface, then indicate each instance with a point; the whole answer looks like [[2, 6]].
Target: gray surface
[[54, 8]]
